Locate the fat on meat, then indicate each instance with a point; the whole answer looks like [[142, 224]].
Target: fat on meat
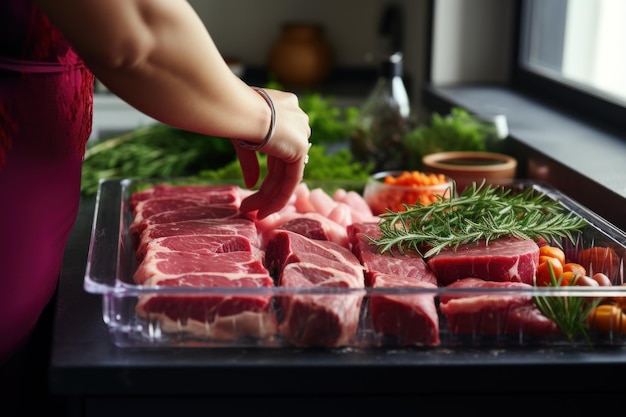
[[228, 193], [172, 264], [210, 231]]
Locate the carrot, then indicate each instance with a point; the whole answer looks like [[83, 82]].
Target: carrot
[[607, 319], [415, 193]]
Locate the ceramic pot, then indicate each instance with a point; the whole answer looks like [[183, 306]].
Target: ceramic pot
[[301, 56], [466, 167]]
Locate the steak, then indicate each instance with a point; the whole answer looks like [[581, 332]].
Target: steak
[[172, 264], [216, 316], [411, 318], [328, 319], [495, 313], [409, 264], [507, 259], [311, 224], [212, 231], [311, 228], [183, 214], [196, 240], [219, 194]]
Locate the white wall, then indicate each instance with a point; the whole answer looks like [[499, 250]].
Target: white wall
[[246, 29], [471, 41]]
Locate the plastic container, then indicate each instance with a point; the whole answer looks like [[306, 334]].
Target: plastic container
[[386, 316]]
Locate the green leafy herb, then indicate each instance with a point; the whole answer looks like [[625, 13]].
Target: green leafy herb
[[322, 166], [153, 151], [456, 131], [568, 313], [480, 213]]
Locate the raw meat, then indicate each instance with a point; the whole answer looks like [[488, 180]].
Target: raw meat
[[222, 194], [211, 229], [410, 264], [496, 313], [172, 264], [333, 231], [167, 203], [197, 239], [188, 213], [503, 260], [215, 316], [286, 247], [411, 318], [328, 319], [311, 228]]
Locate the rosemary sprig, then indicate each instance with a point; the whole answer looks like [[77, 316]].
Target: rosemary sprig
[[480, 213], [568, 313]]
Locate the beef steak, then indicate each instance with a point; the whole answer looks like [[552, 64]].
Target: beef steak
[[494, 313], [328, 319], [507, 259]]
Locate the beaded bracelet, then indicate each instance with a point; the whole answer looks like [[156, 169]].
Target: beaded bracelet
[[256, 146]]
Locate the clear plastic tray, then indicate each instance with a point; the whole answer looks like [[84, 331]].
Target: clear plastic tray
[[360, 317]]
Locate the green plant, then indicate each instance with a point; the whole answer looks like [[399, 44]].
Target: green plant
[[456, 131]]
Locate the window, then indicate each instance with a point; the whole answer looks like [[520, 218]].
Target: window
[[573, 51]]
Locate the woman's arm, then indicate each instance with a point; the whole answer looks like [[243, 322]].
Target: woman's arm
[[158, 56]]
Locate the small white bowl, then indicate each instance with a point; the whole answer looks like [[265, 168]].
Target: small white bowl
[[383, 197]]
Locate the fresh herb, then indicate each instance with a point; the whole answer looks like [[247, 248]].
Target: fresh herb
[[322, 166], [456, 131], [480, 213], [152, 151], [336, 165], [568, 313], [329, 123]]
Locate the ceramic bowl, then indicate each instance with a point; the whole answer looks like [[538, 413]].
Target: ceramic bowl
[[382, 196], [466, 167]]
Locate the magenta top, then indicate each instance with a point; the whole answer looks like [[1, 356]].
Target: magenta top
[[46, 104]]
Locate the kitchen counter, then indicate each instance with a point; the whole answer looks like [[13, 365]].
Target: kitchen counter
[[99, 379]]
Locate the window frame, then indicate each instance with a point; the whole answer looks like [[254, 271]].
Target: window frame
[[574, 100]]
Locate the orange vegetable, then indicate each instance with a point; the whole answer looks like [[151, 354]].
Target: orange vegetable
[[569, 278], [575, 268], [418, 187], [543, 277], [599, 259], [552, 252], [607, 318]]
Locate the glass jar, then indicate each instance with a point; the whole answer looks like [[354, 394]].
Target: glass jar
[[384, 120]]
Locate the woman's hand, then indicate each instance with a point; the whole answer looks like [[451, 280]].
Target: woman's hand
[[286, 156]]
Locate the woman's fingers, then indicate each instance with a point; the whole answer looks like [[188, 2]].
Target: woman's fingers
[[249, 164]]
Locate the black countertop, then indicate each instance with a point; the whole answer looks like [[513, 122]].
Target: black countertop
[[100, 377]]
